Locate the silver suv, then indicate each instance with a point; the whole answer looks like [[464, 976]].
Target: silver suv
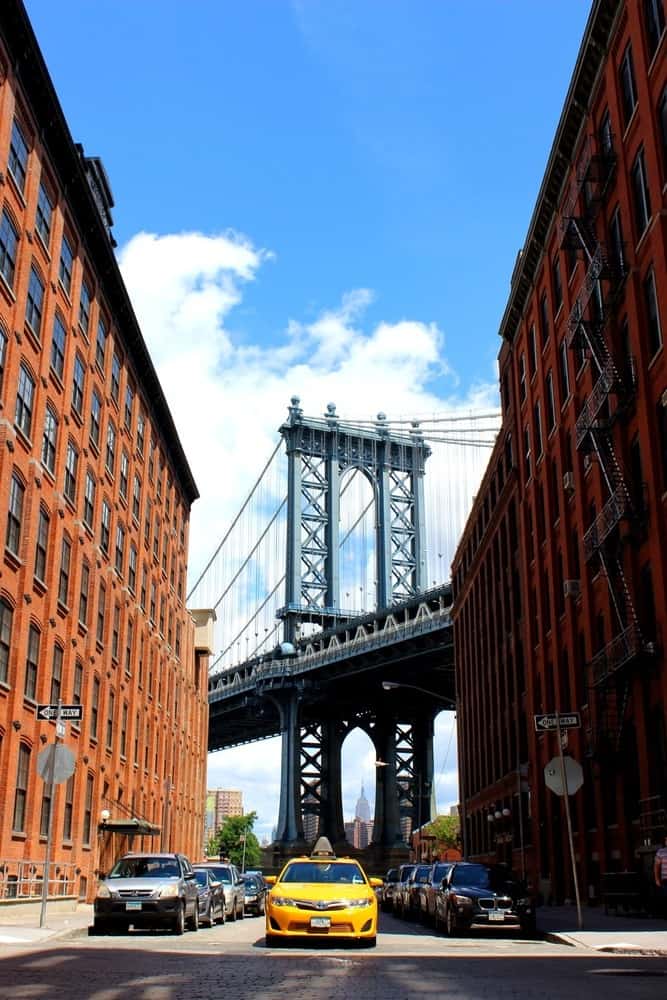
[[232, 887], [147, 890]]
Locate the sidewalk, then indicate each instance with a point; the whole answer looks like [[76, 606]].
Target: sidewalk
[[20, 924], [625, 933]]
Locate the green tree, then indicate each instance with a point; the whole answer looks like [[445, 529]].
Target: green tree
[[446, 830], [228, 841]]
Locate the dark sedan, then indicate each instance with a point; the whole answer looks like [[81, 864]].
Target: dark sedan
[[255, 890], [210, 896], [483, 896]]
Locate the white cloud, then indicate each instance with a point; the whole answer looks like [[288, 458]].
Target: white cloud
[[228, 395]]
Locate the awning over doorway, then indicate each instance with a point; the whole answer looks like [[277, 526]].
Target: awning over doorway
[[130, 826]]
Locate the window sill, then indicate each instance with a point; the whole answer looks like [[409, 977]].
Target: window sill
[[33, 337], [12, 559], [7, 290], [62, 609], [39, 586]]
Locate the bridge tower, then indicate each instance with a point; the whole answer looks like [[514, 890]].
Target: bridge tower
[[320, 452]]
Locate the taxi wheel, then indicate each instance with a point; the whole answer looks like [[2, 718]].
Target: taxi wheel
[[369, 942], [274, 941]]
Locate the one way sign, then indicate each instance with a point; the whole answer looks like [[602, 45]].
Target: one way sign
[[547, 723], [72, 712]]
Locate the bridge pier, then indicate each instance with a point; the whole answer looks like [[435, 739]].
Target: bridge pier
[[332, 824], [290, 820], [387, 824]]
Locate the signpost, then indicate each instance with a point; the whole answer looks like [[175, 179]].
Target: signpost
[[55, 764], [558, 722]]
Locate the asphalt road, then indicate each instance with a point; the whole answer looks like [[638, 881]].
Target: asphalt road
[[233, 962]]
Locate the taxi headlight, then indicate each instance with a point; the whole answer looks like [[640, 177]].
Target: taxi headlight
[[103, 891], [355, 903], [168, 891], [281, 901]]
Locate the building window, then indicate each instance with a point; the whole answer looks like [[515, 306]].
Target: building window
[[49, 440], [66, 264], [544, 318], [105, 528], [43, 215], [147, 522], [78, 385], [605, 135], [89, 501], [652, 314], [556, 283], [84, 307], [151, 462], [137, 725], [71, 467], [56, 674], [69, 809], [129, 404], [17, 163], [6, 616], [21, 793], [32, 663], [654, 20], [95, 419], [165, 552], [15, 515], [628, 86], [124, 472], [94, 708], [110, 711], [151, 610], [522, 377], [41, 546], [101, 344], [132, 569], [63, 579], [120, 548], [25, 396], [616, 244], [3, 356], [662, 129], [34, 303], [537, 420], [58, 346], [129, 637], [156, 538], [136, 498], [77, 687], [640, 193], [551, 405], [532, 351], [123, 730], [88, 809], [564, 373], [101, 601], [115, 377], [142, 595], [141, 430], [83, 594], [527, 451], [110, 460], [9, 239]]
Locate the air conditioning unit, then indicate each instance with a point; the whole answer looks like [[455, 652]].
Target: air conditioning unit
[[568, 482], [571, 588]]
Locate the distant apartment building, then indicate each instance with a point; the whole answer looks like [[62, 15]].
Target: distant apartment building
[[95, 497], [560, 577], [220, 804]]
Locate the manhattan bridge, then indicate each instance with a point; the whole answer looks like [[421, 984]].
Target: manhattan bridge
[[332, 600]]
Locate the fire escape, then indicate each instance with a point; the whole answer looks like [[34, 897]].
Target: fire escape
[[589, 332]]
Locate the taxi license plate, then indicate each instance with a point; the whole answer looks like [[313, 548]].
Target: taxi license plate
[[133, 906], [320, 922], [498, 915]]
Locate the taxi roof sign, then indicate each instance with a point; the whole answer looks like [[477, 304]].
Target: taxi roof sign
[[323, 849]]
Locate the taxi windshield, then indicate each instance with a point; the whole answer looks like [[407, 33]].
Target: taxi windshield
[[339, 872]]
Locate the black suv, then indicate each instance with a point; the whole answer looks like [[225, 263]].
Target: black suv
[[486, 896], [147, 890]]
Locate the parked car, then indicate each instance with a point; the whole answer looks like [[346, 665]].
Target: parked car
[[398, 897], [147, 890], [232, 887], [255, 890], [428, 891], [485, 896], [386, 895], [211, 898], [322, 896], [418, 877]]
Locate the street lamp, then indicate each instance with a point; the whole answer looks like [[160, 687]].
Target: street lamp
[[392, 685]]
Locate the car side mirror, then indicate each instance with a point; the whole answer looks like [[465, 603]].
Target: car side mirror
[[189, 875], [376, 882]]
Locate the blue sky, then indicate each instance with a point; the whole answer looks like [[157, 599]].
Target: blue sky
[[319, 196]]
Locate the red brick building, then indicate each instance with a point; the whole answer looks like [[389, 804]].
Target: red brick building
[[561, 575], [95, 494]]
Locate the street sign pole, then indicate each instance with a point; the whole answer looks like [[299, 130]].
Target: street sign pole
[[566, 796], [49, 833]]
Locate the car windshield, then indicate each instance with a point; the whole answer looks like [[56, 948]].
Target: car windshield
[[335, 871], [201, 878], [440, 871], [484, 877], [251, 883], [222, 874], [145, 868]]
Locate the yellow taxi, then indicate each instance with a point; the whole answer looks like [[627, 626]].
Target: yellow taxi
[[322, 896]]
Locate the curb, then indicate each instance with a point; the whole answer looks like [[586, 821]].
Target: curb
[[556, 937]]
